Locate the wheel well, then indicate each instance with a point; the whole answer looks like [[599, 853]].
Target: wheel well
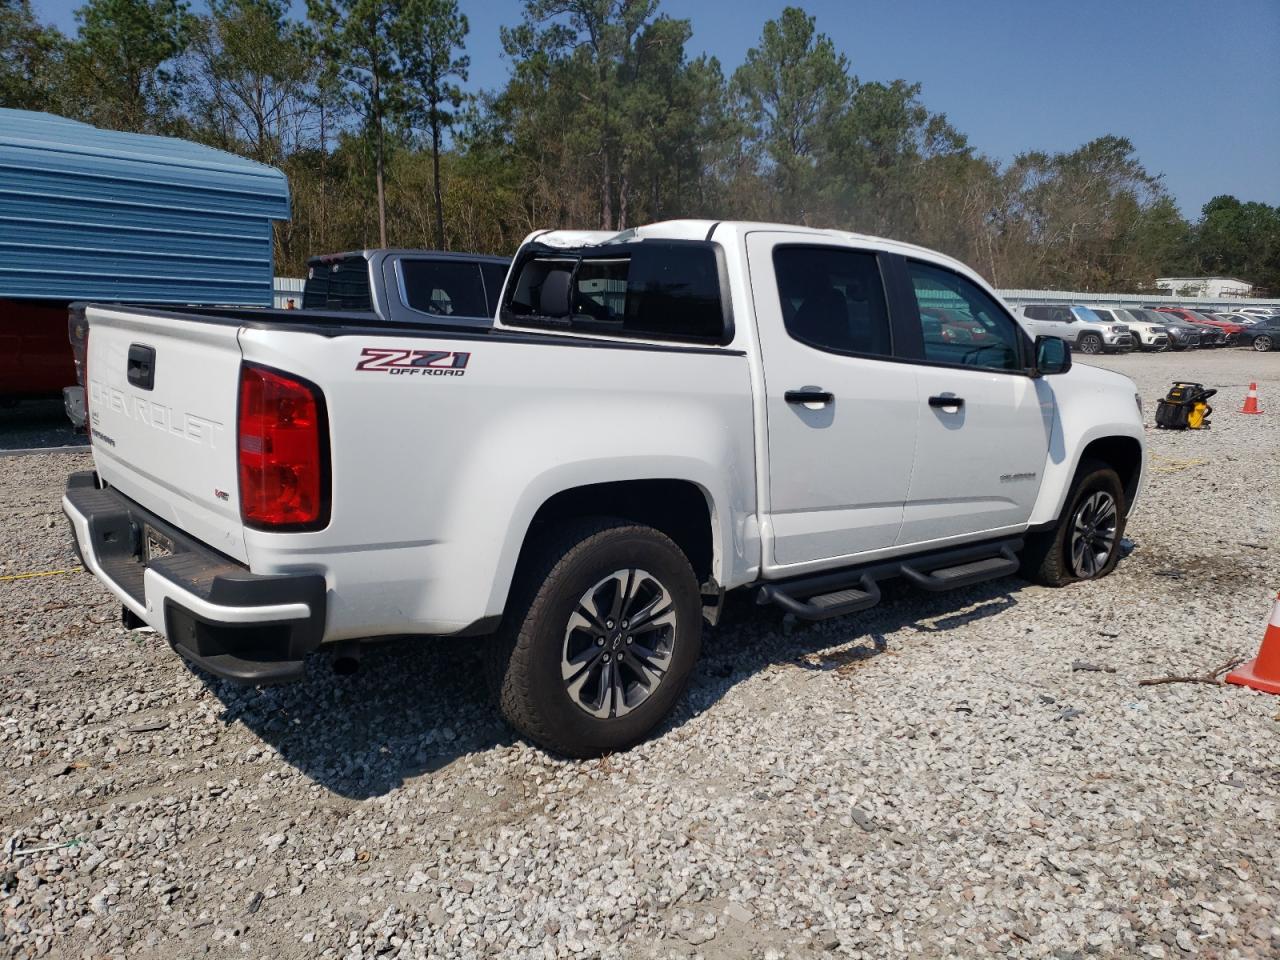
[[1124, 455], [679, 508]]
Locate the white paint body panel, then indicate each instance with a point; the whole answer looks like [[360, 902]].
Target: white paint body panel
[[837, 471], [435, 479], [172, 446], [977, 467]]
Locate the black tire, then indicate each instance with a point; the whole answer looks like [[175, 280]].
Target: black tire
[[1089, 343], [1262, 343], [1046, 558], [536, 633]]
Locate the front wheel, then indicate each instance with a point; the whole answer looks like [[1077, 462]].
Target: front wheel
[[1089, 343], [1262, 343], [1085, 542], [601, 635]]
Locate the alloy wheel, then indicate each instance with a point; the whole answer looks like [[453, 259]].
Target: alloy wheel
[[1262, 344], [1093, 534], [618, 643]]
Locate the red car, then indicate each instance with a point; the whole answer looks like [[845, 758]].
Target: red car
[[1231, 330]]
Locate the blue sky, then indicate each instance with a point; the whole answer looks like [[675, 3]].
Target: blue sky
[[1195, 86]]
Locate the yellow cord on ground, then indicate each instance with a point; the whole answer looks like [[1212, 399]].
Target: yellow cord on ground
[[1162, 464], [41, 573]]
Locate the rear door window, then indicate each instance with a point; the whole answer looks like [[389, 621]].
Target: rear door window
[[443, 288], [833, 299]]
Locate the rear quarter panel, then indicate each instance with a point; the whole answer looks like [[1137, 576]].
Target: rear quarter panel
[[437, 477]]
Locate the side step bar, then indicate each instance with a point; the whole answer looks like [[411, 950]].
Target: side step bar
[[963, 574], [852, 589]]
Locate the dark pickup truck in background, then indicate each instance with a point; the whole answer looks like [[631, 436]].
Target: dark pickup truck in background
[[408, 286]]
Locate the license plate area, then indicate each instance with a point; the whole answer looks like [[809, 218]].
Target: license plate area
[[155, 544]]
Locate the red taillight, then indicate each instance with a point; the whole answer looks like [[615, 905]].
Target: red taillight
[[283, 451], [78, 334]]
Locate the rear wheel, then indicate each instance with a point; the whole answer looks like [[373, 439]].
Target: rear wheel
[[1262, 343], [1085, 542], [602, 632], [1089, 343]]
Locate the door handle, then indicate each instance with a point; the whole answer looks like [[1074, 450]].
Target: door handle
[[808, 395], [946, 401]]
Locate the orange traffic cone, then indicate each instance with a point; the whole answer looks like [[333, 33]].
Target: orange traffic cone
[[1263, 671], [1251, 400]]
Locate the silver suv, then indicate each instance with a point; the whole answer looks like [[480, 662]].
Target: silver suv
[[1079, 326], [1146, 336]]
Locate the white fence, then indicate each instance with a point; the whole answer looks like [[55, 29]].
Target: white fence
[[288, 288], [1017, 297]]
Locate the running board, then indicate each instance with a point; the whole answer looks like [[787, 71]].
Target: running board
[[836, 594], [823, 606], [963, 574]]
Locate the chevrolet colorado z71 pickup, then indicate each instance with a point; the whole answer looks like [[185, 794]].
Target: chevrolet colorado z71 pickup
[[655, 418]]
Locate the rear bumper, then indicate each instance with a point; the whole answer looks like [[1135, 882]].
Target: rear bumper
[[214, 612]]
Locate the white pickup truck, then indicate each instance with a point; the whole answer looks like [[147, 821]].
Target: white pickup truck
[[657, 417]]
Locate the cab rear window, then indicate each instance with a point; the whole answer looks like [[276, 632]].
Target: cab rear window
[[659, 290], [341, 284]]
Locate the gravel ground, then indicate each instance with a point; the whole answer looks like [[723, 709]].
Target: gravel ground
[[969, 774]]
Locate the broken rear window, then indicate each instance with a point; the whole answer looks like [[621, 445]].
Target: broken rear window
[[660, 290]]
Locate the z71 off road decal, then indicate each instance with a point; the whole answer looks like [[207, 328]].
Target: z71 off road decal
[[430, 363]]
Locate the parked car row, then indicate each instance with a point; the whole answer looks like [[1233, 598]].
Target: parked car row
[[1092, 330]]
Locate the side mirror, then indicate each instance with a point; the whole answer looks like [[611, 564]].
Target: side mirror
[[1053, 355]]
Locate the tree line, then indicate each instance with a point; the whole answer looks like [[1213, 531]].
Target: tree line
[[606, 121]]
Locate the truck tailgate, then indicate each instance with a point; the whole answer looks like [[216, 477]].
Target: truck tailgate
[[162, 406]]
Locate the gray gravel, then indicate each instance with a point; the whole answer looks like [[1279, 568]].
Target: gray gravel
[[942, 776]]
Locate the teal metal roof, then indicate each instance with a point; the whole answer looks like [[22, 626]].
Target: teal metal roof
[[91, 214]]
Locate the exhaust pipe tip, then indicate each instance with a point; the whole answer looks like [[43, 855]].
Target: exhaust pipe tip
[[346, 660]]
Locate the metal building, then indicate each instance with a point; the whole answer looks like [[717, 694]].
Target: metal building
[[90, 214], [1214, 288]]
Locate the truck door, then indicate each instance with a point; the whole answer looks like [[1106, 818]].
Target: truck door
[[985, 423], [841, 414]]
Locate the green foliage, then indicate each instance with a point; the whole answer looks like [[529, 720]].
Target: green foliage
[[32, 59], [123, 68], [1240, 240], [359, 37], [431, 33], [793, 90], [605, 122], [253, 75]]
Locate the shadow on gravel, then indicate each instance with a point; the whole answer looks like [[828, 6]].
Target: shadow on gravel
[[414, 707], [37, 423], [418, 705], [753, 638]]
